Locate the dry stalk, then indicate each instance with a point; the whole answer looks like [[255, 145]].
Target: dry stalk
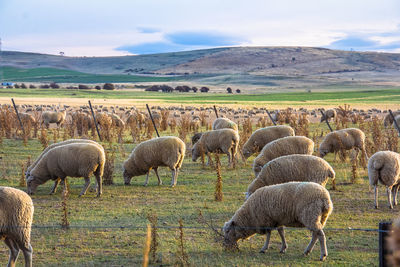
[[22, 182], [152, 217], [64, 205], [146, 249], [108, 175], [218, 185], [181, 255], [164, 119], [43, 138]]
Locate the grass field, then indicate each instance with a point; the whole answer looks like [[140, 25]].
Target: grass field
[[340, 96], [109, 231]]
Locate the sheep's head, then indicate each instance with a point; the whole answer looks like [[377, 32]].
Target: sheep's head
[[127, 177], [32, 183], [324, 149], [195, 152], [247, 152], [230, 235], [331, 173]]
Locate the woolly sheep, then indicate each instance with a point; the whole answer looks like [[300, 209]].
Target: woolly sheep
[[27, 118], [384, 167], [263, 136], [346, 139], [328, 114], [116, 121], [388, 120], [53, 117], [16, 209], [57, 179], [295, 204], [223, 140], [163, 151], [280, 147], [222, 123], [302, 168], [196, 137], [74, 160]]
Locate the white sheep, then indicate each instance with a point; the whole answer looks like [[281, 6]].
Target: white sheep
[[301, 168], [74, 160], [53, 117], [57, 179], [163, 151], [222, 123], [328, 114], [16, 210], [263, 136], [384, 167], [280, 147], [223, 140], [295, 204]]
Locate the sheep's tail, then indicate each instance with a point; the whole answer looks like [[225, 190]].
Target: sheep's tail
[[235, 145], [374, 168], [181, 156], [327, 208], [102, 163]]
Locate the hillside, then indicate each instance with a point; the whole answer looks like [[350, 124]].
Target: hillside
[[289, 67]]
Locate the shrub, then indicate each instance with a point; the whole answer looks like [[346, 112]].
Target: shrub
[[16, 85], [194, 89], [98, 87], [23, 86], [54, 86], [32, 86], [82, 86], [204, 89], [238, 91], [108, 86], [229, 90]]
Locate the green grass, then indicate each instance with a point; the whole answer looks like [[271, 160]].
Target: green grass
[[376, 96], [97, 239]]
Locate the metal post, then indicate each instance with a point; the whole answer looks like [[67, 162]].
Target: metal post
[[384, 228], [16, 111], [269, 114], [326, 120], [215, 110], [394, 121], [95, 121], [151, 117]]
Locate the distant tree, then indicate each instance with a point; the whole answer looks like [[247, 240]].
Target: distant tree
[[82, 86], [194, 89], [179, 88], [204, 89], [153, 88], [229, 90], [98, 87], [54, 86], [238, 91], [16, 85], [9, 86], [108, 86], [32, 86], [186, 88], [293, 59], [166, 89], [44, 86], [23, 86]]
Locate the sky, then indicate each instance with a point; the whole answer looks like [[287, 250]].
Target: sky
[[130, 27]]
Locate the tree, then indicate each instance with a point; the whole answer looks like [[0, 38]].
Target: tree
[[82, 86], [23, 86], [54, 86], [32, 86], [194, 89], [238, 91], [16, 85], [108, 86], [98, 87], [204, 89], [229, 90]]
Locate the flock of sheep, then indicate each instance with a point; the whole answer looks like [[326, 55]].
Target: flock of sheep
[[288, 188]]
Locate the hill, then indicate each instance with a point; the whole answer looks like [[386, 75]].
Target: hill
[[289, 67]]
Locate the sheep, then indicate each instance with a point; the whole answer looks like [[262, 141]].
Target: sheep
[[296, 167], [53, 117], [116, 121], [384, 167], [346, 139], [27, 118], [263, 136], [222, 123], [57, 179], [223, 140], [328, 114], [196, 137], [163, 151], [388, 120], [280, 147], [104, 120], [74, 160], [295, 204], [16, 209]]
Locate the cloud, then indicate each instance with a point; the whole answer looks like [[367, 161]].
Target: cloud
[[151, 48], [203, 39], [148, 30]]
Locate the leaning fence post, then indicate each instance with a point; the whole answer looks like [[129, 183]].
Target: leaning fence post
[[151, 117], [326, 120], [394, 121], [16, 111], [215, 110], [269, 114], [384, 228], [95, 121]]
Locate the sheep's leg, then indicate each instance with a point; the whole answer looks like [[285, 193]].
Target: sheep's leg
[[322, 242], [266, 244], [54, 189], [85, 187], [395, 190], [27, 255], [147, 179], [389, 196], [174, 177], [14, 252], [158, 177], [281, 232], [99, 181], [310, 246]]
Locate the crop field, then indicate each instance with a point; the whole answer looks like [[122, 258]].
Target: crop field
[[111, 230]]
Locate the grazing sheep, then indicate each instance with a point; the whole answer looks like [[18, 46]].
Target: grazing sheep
[[346, 139], [281, 147], [295, 204], [16, 209], [384, 167], [263, 136], [223, 140], [53, 117], [74, 160], [116, 121], [328, 114], [104, 120], [27, 118], [196, 137], [302, 168], [57, 179], [388, 120], [222, 123], [163, 151]]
